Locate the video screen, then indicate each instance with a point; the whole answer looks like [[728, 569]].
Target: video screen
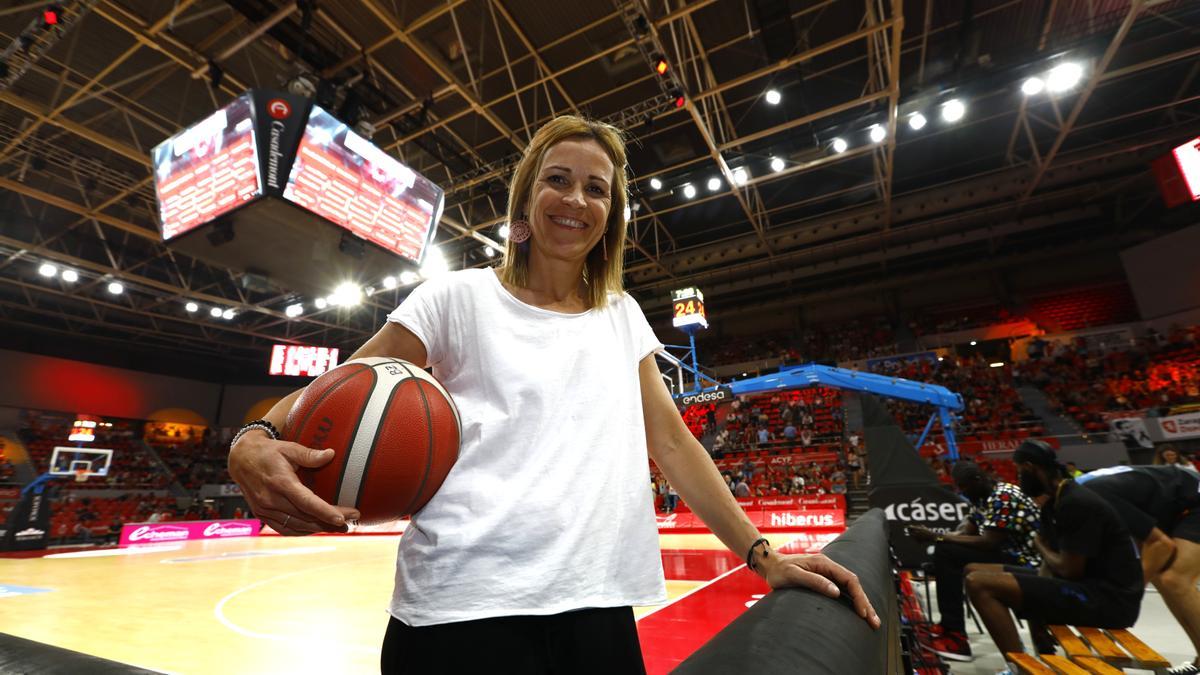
[[208, 169], [343, 177]]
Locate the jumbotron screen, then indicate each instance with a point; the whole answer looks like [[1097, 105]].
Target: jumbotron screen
[[208, 169], [341, 176]]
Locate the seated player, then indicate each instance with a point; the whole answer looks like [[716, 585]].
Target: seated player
[[1161, 507], [1090, 575], [999, 529]]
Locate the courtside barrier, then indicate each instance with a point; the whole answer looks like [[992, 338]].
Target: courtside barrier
[[801, 631]]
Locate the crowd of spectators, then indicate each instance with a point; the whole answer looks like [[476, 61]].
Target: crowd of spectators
[[196, 461], [1152, 374], [992, 404], [929, 323], [799, 418], [77, 519]]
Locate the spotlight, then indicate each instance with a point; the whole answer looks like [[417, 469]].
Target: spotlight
[[839, 145], [998, 364], [347, 294], [714, 184], [227, 314], [777, 164], [191, 307], [116, 287], [47, 270], [321, 303], [973, 343], [877, 133], [628, 213], [740, 176], [660, 64], [773, 96], [294, 310], [491, 252], [51, 16], [504, 231], [655, 184], [689, 191], [1063, 77], [408, 277], [70, 276], [916, 121], [215, 312], [390, 282], [953, 110], [1033, 86], [434, 264]]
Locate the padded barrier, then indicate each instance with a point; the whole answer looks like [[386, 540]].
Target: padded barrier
[[800, 631], [18, 655]]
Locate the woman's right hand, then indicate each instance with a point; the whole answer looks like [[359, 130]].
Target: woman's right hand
[[266, 471]]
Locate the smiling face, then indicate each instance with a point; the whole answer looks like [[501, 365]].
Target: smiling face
[[571, 200]]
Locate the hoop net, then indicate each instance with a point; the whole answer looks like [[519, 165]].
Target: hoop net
[[81, 475]]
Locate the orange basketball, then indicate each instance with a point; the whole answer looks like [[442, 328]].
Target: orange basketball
[[394, 431]]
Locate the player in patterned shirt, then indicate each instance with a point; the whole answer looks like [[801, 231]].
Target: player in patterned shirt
[[999, 529]]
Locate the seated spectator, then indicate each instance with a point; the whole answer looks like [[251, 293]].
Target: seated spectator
[[1167, 455], [789, 432], [1091, 573], [999, 528]]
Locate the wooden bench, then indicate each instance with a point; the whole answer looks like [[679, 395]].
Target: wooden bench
[[1090, 651]]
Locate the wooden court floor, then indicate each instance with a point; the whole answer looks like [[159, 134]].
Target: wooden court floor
[[250, 605]]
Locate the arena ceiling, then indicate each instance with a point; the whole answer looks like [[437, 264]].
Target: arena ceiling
[[456, 88]]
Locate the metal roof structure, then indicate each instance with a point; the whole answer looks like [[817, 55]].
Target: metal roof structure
[[456, 88]]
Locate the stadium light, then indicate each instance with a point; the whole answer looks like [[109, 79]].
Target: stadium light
[[1064, 76], [215, 312], [228, 314], [953, 110], [840, 145], [628, 213], [916, 121], [714, 184], [321, 303], [346, 294], [777, 164], [191, 307], [655, 184], [998, 364], [408, 277], [773, 97], [973, 343], [116, 288], [660, 64], [689, 191], [504, 232], [295, 310], [390, 282], [740, 176], [1033, 86], [435, 264], [877, 133], [70, 276], [491, 252], [47, 270]]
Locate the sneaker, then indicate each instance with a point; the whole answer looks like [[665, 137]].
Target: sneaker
[[951, 645], [1188, 668]]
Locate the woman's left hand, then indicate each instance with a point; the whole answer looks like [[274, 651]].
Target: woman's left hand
[[817, 573]]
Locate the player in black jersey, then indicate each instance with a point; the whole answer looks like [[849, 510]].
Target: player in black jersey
[[1091, 574], [1161, 507]]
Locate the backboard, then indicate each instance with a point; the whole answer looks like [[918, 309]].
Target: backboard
[[69, 461]]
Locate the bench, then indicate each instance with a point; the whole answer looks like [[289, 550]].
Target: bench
[[1090, 651]]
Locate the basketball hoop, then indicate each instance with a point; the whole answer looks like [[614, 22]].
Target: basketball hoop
[[81, 475]]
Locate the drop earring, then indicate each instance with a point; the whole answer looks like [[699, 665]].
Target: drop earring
[[519, 231]]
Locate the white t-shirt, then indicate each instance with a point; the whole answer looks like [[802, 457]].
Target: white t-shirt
[[546, 510]]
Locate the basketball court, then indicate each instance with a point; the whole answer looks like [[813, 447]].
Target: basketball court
[[318, 604]]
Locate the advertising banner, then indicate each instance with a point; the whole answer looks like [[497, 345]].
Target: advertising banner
[[765, 519], [935, 507], [1131, 431], [157, 533], [28, 524], [1180, 426]]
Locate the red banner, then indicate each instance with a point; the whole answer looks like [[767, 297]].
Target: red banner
[[765, 519], [158, 533], [796, 502], [996, 446]]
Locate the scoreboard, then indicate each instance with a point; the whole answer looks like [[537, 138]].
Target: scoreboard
[[687, 309]]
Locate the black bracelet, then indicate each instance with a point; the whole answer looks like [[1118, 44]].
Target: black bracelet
[[750, 553]]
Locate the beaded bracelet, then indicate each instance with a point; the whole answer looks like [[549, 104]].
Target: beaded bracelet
[[256, 424], [750, 553]]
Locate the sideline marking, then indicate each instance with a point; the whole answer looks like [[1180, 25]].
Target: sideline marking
[[131, 550], [251, 554]]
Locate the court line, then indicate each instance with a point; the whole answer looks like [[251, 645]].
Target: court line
[[701, 587], [219, 610]]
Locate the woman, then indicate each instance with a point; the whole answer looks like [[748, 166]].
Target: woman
[[552, 367], [1168, 455]]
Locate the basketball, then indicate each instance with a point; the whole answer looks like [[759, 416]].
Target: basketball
[[394, 431]]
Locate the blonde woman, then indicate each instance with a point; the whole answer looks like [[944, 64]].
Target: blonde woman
[[531, 555]]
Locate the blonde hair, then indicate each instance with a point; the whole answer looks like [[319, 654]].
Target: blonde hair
[[601, 276]]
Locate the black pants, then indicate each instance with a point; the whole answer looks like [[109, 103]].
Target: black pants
[[949, 560], [583, 641]]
